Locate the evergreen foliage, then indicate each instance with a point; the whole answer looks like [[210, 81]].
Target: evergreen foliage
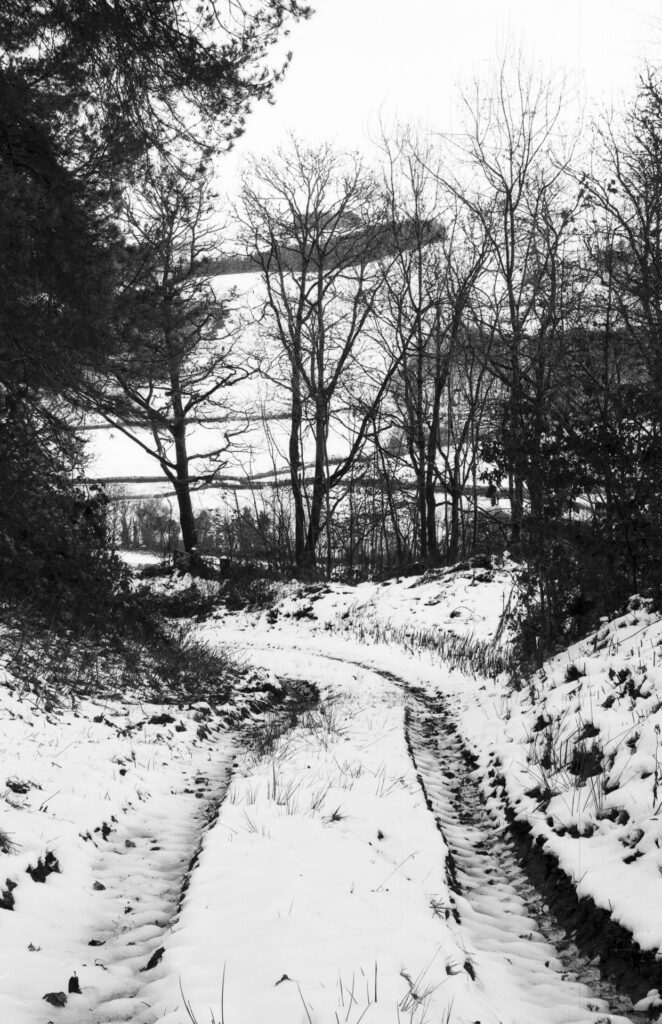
[[89, 90]]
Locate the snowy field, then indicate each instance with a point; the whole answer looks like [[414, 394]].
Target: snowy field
[[333, 870]]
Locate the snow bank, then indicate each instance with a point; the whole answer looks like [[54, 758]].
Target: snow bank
[[578, 753]]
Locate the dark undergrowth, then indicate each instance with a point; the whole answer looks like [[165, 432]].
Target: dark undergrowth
[[298, 698], [118, 641], [234, 585], [153, 661]]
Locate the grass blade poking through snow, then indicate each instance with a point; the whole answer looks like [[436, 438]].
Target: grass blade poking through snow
[[464, 652], [310, 1020], [189, 1009]]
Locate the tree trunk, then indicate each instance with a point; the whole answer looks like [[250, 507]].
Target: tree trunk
[[295, 468], [516, 495], [431, 518], [454, 526], [186, 517], [181, 482], [319, 492], [393, 512]]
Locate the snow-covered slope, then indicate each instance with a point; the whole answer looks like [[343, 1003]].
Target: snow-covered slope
[[579, 753]]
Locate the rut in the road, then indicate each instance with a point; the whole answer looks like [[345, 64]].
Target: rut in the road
[[502, 913], [143, 870]]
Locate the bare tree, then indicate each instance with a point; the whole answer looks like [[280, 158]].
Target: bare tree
[[618, 408], [179, 356], [438, 253], [517, 182], [313, 226], [624, 193]]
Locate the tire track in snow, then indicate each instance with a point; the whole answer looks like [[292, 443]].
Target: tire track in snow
[[500, 911], [142, 871], [503, 919]]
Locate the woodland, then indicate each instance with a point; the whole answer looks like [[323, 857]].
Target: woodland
[[460, 337]]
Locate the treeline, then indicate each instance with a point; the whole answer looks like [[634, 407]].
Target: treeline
[[460, 339], [487, 308]]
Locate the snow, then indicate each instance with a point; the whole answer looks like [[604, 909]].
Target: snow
[[334, 883], [326, 830], [600, 701], [460, 601], [113, 794], [605, 829], [300, 872], [138, 559]]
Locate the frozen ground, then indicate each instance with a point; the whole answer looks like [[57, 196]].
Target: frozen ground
[[342, 874], [102, 809]]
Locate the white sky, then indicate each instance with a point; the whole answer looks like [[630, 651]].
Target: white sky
[[358, 60]]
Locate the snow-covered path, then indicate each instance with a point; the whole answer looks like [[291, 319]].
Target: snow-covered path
[[392, 889], [341, 870]]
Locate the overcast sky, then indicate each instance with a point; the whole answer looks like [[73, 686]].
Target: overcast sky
[[357, 61]]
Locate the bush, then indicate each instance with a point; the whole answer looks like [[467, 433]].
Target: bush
[[54, 560], [182, 602]]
